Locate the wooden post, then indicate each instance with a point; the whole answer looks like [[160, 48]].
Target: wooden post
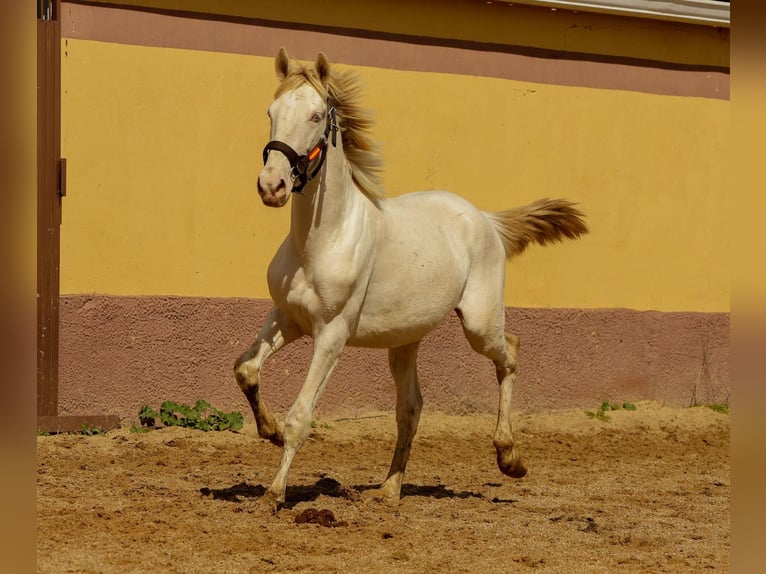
[[48, 213], [50, 187]]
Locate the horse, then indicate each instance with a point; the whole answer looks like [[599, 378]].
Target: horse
[[361, 269]]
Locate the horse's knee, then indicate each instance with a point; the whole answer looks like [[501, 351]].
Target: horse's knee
[[247, 375], [297, 426]]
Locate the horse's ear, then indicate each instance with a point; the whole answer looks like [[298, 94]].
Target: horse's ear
[[282, 64], [323, 68]]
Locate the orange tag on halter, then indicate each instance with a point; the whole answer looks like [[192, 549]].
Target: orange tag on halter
[[314, 153]]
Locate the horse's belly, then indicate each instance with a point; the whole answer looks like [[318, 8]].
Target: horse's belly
[[389, 338], [395, 322]]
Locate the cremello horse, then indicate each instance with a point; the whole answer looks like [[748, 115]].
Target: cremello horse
[[358, 269]]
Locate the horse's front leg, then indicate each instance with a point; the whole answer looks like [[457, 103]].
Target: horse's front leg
[[328, 344], [278, 331]]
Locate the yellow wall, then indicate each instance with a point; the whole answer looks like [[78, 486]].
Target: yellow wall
[[164, 147]]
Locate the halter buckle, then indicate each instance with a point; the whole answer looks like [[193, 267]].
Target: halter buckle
[[332, 125]]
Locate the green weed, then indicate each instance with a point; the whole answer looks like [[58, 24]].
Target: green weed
[[87, 430], [202, 416], [719, 408], [605, 407]]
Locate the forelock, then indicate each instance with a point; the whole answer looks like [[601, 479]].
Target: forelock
[[299, 75]]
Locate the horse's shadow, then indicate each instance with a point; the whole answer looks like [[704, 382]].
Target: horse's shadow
[[431, 491], [330, 487], [293, 495]]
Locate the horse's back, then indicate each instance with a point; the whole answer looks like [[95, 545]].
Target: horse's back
[[431, 199], [442, 217]]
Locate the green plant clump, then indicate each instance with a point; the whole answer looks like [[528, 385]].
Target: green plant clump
[[719, 408], [88, 430], [606, 406], [201, 416]]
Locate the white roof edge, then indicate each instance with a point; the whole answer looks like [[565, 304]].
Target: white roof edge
[[693, 11]]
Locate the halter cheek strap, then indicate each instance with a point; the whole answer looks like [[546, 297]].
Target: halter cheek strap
[[300, 163]]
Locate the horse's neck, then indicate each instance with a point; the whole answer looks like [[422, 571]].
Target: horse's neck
[[331, 209]]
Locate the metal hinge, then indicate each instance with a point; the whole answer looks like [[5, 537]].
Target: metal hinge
[[62, 177]]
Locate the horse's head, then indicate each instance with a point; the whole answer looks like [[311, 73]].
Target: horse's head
[[299, 129]]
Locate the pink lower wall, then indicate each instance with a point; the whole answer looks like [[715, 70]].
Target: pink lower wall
[[119, 353]]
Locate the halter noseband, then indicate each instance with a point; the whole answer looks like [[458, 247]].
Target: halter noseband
[[301, 163]]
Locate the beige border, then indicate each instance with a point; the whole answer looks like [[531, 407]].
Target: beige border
[[196, 31]]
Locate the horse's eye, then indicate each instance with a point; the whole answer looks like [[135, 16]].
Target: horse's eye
[[316, 118]]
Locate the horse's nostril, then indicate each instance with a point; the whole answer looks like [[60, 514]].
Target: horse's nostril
[[270, 188]]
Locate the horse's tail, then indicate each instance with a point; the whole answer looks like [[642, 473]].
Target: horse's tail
[[542, 222]]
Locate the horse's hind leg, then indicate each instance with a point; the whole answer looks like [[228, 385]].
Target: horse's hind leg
[[508, 459], [484, 329], [409, 403], [277, 331]]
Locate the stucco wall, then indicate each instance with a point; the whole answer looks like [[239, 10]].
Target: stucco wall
[[163, 148], [123, 352], [163, 120]]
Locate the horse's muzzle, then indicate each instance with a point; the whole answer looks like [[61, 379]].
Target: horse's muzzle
[[273, 194]]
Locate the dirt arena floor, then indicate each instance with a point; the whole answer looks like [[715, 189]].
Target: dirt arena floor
[[647, 491]]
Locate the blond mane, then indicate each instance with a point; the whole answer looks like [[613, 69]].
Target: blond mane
[[355, 122]]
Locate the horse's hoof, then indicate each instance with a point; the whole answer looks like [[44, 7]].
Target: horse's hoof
[[277, 439], [510, 463], [270, 503], [274, 438], [381, 495], [272, 432]]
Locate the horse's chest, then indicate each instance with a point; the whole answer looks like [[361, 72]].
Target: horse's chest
[[311, 294]]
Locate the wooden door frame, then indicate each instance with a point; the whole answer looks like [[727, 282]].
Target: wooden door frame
[[51, 188]]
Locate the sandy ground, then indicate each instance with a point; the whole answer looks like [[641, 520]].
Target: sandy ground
[[647, 491]]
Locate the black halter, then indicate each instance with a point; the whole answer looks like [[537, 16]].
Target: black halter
[[300, 163]]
